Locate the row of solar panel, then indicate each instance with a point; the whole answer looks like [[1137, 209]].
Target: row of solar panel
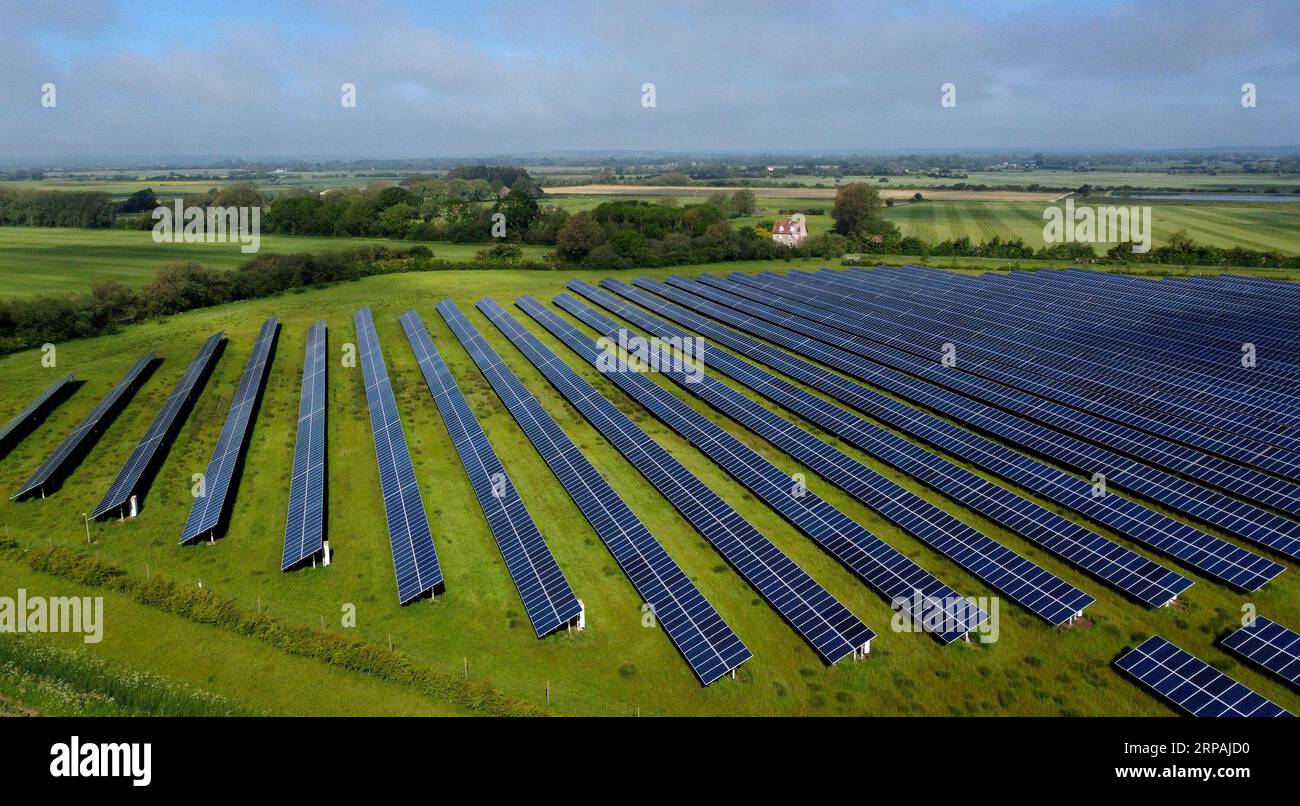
[[1213, 556], [1026, 333], [987, 409], [823, 621], [919, 327]]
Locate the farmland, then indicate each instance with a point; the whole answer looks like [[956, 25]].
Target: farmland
[[50, 260], [616, 666]]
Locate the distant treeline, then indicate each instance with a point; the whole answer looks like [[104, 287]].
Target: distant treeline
[[22, 207]]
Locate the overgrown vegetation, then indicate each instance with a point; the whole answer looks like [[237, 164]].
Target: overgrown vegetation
[[328, 646], [78, 683]]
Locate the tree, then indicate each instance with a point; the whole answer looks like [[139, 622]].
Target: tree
[[857, 205], [520, 211], [394, 222], [139, 202], [579, 235], [743, 203]]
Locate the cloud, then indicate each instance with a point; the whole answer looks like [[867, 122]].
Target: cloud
[[733, 76]]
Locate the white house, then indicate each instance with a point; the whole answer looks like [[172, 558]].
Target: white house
[[789, 231]]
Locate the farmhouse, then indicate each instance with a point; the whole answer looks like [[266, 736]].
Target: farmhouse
[[789, 231]]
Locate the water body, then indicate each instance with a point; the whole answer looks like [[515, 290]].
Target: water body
[[1219, 197]]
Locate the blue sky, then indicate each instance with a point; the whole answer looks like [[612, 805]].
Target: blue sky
[[447, 79]]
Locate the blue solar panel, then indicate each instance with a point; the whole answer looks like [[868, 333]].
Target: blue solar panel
[[210, 507], [709, 645], [1015, 337], [1038, 426], [304, 527], [1131, 572], [825, 623], [547, 596], [60, 463], [161, 431], [415, 560], [1211, 555], [1192, 684], [904, 583], [1270, 645], [25, 421]]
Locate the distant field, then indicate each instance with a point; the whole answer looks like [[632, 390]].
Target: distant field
[[1263, 227], [37, 260], [796, 193], [1074, 179]]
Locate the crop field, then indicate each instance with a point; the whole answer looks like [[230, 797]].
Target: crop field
[[618, 665], [1263, 226], [49, 261], [1222, 181]]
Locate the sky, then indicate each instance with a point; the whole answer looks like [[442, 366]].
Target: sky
[[437, 79]]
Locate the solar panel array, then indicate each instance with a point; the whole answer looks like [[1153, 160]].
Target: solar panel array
[[548, 598], [160, 432], [707, 643], [25, 421], [1270, 645], [1192, 684], [1040, 427], [84, 435], [1065, 366], [928, 602], [209, 508], [1210, 555], [823, 621], [1125, 569], [415, 560], [906, 340], [304, 527]]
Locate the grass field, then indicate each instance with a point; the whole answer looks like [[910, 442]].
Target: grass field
[[1284, 183], [616, 666], [50, 261]]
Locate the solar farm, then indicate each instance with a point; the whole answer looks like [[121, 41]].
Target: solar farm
[[896, 490]]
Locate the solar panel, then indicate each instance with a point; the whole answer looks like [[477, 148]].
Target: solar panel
[[415, 560], [1192, 684], [1206, 553], [304, 526], [823, 621], [209, 508], [1037, 589], [707, 643], [548, 599], [928, 602], [1270, 645], [83, 437], [25, 421], [1038, 426], [161, 431], [1014, 333], [912, 323], [1125, 569]]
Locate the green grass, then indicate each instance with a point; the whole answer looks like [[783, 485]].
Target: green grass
[[616, 666], [1261, 226], [36, 260]]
